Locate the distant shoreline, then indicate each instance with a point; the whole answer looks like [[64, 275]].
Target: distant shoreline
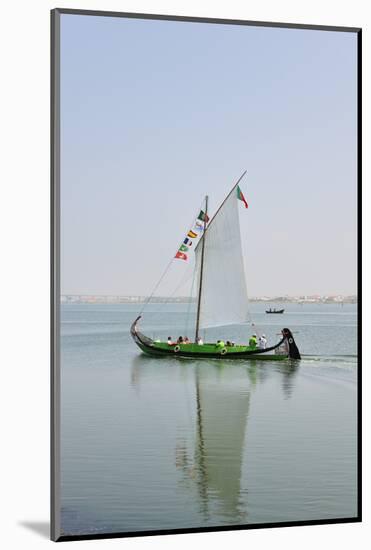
[[114, 299]]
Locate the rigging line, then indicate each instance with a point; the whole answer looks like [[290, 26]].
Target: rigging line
[[165, 271], [156, 287], [186, 277]]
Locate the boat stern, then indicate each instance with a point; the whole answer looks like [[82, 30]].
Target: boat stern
[[293, 351]]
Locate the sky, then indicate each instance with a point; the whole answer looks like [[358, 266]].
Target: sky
[[157, 114]]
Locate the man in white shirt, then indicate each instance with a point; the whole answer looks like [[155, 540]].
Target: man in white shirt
[[262, 342]]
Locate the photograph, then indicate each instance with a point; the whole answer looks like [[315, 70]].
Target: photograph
[[205, 280]]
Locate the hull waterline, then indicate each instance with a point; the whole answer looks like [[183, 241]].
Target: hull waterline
[[210, 351]]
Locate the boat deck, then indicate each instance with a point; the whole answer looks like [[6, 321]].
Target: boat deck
[[204, 348], [208, 351]]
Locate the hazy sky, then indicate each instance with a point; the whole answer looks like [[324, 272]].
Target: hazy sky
[[156, 114]]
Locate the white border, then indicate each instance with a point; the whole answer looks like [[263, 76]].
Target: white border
[[24, 220]]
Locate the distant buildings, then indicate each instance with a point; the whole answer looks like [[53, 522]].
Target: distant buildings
[[308, 299], [116, 299]]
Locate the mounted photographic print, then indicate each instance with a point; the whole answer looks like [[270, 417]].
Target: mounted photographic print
[[205, 297]]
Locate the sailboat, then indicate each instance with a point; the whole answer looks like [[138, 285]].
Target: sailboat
[[221, 293]]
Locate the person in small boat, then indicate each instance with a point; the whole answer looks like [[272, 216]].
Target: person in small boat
[[262, 342], [200, 342], [252, 341]]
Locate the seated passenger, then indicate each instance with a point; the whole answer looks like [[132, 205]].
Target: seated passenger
[[169, 342], [180, 340], [220, 344], [262, 342], [252, 341]]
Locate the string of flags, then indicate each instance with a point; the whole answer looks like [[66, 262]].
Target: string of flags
[[192, 234], [198, 227]]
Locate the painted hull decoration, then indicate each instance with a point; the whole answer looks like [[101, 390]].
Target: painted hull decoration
[[284, 349], [221, 291]]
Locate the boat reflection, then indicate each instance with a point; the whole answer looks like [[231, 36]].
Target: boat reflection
[[210, 453], [288, 371], [223, 401]]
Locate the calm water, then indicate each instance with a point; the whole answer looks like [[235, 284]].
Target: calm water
[[166, 443]]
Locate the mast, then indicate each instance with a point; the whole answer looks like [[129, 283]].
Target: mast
[[201, 273]]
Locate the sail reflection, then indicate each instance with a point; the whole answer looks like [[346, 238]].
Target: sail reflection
[[212, 443], [223, 401]]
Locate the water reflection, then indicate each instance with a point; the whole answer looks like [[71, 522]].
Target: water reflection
[[209, 459], [223, 401], [289, 370]]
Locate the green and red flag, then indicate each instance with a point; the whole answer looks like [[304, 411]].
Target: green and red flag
[[203, 216], [241, 197]]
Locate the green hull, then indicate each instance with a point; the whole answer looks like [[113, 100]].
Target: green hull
[[214, 351], [207, 351]]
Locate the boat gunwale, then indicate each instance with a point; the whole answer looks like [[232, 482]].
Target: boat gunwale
[[146, 344]]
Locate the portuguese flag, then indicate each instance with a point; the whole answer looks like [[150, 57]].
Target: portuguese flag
[[241, 197]]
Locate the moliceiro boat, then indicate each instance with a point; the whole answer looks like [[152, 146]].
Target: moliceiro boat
[[221, 291], [285, 348]]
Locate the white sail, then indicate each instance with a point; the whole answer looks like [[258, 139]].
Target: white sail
[[224, 294]]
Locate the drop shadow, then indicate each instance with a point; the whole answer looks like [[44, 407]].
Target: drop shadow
[[42, 528]]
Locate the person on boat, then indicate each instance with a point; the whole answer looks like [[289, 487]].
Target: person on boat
[[220, 344], [169, 341], [252, 341], [186, 340], [180, 340], [262, 342], [200, 342]]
